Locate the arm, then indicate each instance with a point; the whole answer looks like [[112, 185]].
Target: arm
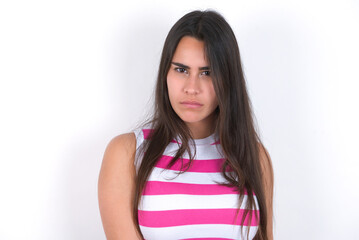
[[268, 180], [116, 188]]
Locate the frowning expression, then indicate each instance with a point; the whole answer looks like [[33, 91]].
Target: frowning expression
[[189, 83]]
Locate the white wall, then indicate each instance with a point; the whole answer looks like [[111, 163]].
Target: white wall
[[74, 74]]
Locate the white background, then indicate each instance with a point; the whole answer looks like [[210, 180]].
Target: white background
[[74, 74]]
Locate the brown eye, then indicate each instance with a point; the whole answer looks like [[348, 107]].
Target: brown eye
[[180, 70], [207, 73]]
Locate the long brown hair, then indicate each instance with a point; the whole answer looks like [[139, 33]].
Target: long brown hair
[[234, 118]]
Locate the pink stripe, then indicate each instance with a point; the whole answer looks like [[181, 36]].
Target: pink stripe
[[194, 216], [210, 166], [161, 188], [146, 133]]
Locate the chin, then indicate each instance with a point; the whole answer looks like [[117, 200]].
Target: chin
[[190, 118]]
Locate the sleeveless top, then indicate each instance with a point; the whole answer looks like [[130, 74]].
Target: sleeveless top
[[191, 205]]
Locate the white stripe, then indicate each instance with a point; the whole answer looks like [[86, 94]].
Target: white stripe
[[184, 201], [204, 152], [198, 231], [166, 175]]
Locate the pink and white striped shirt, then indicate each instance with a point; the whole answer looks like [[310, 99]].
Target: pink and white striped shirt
[[192, 205]]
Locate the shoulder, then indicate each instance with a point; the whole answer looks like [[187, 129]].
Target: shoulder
[[122, 140], [266, 171], [117, 169], [265, 161], [121, 148]]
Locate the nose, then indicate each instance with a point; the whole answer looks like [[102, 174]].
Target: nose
[[192, 84]]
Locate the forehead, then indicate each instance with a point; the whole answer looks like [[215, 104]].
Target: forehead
[[190, 51]]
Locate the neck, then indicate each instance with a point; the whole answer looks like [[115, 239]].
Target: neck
[[202, 129]]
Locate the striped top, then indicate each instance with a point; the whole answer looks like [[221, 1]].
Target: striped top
[[191, 205]]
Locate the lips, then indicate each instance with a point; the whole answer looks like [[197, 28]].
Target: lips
[[194, 103], [191, 104]]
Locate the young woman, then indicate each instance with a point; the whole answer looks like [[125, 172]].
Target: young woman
[[197, 169]]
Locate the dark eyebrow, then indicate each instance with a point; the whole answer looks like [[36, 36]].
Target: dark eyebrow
[[187, 67]]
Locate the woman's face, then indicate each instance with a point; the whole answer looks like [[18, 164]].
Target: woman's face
[[190, 86]]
